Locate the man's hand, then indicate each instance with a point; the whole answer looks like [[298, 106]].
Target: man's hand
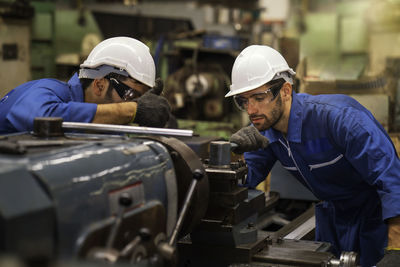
[[158, 86], [391, 259], [248, 139], [152, 110]]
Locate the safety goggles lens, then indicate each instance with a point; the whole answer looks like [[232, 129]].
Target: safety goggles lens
[[124, 91], [241, 102], [261, 97]]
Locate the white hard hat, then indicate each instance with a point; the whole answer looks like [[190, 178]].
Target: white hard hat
[[257, 65], [122, 55]]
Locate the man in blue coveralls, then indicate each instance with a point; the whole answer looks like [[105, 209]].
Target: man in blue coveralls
[[331, 144], [113, 87]]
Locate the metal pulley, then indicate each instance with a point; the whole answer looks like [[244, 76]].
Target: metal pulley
[[199, 85]]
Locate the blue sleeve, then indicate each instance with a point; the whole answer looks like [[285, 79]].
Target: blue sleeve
[[259, 164], [43, 102], [369, 149]]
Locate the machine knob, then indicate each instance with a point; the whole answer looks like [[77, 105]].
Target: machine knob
[[220, 154], [145, 234], [347, 259], [125, 199]]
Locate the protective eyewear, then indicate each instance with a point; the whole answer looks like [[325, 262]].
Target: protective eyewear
[[124, 91], [260, 97]]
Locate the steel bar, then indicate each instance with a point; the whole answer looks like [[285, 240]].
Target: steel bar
[[125, 129], [183, 212], [302, 230]]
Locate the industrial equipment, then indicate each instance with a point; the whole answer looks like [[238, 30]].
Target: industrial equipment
[[77, 199], [198, 92], [15, 56]]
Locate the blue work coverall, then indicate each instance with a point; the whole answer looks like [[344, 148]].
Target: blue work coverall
[[337, 149], [44, 98]]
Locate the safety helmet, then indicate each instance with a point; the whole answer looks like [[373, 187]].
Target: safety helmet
[[257, 65], [122, 55]]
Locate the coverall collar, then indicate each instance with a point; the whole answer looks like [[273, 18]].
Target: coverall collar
[[295, 123], [76, 88]]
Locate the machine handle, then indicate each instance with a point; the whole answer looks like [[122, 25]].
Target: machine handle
[[125, 200], [168, 250]]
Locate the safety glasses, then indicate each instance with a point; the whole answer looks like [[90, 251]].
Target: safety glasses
[[125, 92], [263, 97]]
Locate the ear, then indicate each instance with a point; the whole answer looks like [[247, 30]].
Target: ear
[[286, 91], [99, 85]]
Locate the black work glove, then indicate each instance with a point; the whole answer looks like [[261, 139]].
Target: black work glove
[[158, 86], [152, 110], [248, 139], [390, 259]]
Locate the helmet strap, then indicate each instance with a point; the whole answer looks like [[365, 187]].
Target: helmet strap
[[283, 75]]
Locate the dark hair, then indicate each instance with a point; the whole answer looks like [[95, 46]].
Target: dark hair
[[85, 82], [276, 86]]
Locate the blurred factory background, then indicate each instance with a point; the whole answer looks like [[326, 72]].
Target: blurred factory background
[[336, 46]]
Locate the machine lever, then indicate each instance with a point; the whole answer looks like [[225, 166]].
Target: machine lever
[[109, 254], [144, 235], [168, 250], [125, 200]]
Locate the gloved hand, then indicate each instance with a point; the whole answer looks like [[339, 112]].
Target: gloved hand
[[248, 139], [390, 259], [158, 86], [152, 110]]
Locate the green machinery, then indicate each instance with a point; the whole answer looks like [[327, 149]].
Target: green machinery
[[61, 37], [344, 50], [15, 20]]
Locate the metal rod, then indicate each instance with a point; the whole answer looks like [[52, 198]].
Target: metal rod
[[183, 212], [114, 229], [125, 129]]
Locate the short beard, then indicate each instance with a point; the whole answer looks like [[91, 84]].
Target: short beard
[[274, 118]]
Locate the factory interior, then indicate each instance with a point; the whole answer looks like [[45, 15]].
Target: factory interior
[[141, 196]]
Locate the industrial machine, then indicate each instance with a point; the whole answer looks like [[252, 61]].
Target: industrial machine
[[15, 56], [86, 199], [196, 90], [198, 94]]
